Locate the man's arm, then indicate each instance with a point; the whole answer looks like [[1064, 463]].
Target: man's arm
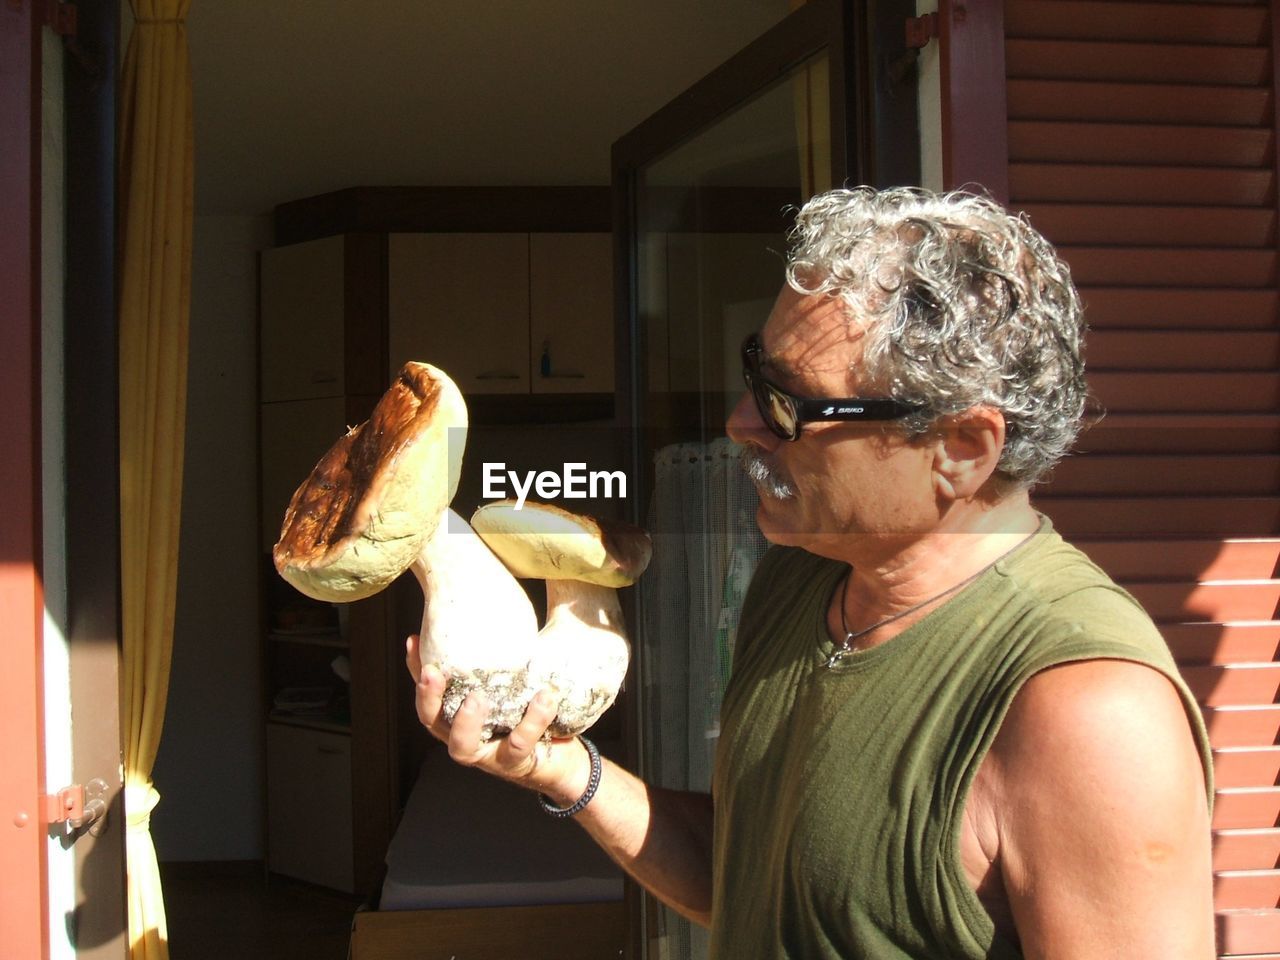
[[662, 838], [1103, 820]]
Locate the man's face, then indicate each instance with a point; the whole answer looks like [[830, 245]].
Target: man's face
[[838, 480]]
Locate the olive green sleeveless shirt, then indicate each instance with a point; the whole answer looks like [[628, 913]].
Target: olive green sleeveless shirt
[[839, 793]]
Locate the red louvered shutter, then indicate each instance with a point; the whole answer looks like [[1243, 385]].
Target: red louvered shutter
[[1141, 140]]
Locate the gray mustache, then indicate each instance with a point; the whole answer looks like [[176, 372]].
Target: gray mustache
[[769, 481]]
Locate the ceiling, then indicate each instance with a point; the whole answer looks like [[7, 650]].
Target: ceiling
[[295, 99]]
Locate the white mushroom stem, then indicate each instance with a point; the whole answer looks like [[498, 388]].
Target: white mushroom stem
[[582, 652], [478, 626]]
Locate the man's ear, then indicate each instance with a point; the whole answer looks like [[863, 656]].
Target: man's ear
[[966, 452]]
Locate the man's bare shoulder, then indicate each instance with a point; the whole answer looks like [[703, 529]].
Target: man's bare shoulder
[[1099, 797], [1098, 705], [1100, 732]]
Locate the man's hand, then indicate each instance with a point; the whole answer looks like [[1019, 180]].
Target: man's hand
[[526, 756], [661, 837]]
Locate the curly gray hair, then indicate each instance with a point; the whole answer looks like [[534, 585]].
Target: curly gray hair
[[962, 304]]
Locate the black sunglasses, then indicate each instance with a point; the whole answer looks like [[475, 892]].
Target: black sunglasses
[[784, 414]]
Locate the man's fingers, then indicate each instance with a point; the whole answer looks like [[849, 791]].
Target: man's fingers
[[514, 756], [465, 743], [528, 733], [533, 726], [413, 656], [430, 696]]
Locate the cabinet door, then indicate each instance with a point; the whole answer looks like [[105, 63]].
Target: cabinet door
[[309, 805], [460, 301], [571, 311], [295, 436], [302, 320]]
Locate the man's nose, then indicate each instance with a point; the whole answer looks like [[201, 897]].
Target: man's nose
[[745, 425]]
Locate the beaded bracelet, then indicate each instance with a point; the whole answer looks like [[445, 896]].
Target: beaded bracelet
[[593, 782]]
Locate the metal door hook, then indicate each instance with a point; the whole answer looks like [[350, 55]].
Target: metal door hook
[[79, 806]]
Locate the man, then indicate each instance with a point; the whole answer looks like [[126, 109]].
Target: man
[[947, 733]]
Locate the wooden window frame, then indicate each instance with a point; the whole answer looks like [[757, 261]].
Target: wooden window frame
[[975, 121], [24, 909]]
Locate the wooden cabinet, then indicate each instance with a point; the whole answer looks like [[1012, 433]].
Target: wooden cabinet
[[294, 435], [360, 283], [460, 301], [331, 779], [504, 313], [303, 320], [309, 805], [571, 312]]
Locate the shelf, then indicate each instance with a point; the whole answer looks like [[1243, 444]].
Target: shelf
[[326, 638], [540, 408], [309, 723]]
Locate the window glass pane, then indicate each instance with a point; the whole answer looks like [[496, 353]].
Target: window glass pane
[[712, 218]]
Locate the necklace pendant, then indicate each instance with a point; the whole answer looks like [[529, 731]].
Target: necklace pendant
[[836, 656]]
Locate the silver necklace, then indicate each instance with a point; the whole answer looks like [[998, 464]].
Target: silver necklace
[[852, 636]]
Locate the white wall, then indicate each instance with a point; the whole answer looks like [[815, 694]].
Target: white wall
[[210, 767]]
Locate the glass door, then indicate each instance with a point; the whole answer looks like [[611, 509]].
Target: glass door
[[705, 191], [710, 232]]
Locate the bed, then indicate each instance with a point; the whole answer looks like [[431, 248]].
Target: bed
[[476, 871]]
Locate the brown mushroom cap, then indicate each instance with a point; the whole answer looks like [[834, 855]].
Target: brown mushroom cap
[[546, 542], [360, 519]]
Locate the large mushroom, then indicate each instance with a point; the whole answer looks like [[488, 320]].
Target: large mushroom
[[377, 504], [362, 516], [582, 652]]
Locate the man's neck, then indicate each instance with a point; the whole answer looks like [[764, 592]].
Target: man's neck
[[891, 575]]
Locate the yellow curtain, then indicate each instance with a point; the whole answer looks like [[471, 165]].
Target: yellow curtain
[[155, 295]]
